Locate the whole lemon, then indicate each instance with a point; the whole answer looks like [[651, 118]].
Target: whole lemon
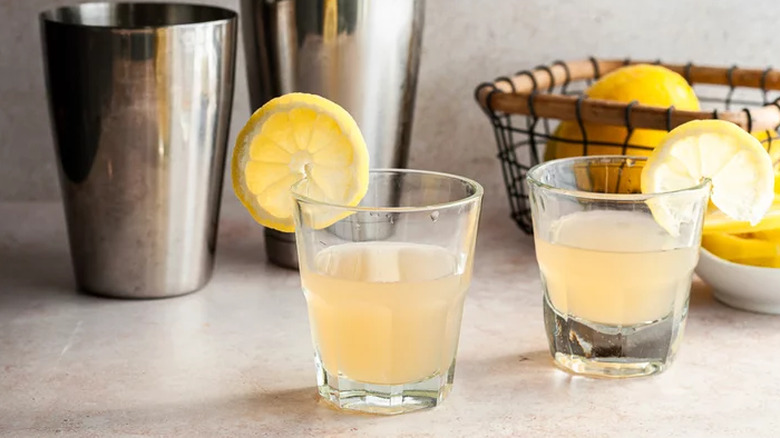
[[647, 84]]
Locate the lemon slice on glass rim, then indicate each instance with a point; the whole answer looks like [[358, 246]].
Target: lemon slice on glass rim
[[293, 138], [738, 168]]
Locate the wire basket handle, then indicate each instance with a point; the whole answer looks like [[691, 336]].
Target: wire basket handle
[[525, 92]]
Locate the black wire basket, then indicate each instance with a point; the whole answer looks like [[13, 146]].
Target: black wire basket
[[525, 109]]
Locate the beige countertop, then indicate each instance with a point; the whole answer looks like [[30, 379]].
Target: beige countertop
[[235, 358]]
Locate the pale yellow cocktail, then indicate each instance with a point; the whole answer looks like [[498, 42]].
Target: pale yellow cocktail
[[385, 255], [615, 267], [385, 313]]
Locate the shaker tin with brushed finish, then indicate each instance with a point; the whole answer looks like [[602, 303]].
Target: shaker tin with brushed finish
[[140, 96]]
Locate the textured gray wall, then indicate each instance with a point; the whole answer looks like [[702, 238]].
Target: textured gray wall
[[465, 42]]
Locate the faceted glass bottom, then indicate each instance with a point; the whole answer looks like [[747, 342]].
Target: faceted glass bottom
[[350, 395], [599, 350]]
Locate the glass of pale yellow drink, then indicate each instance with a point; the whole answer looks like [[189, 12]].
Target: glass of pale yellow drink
[[616, 282], [385, 283]]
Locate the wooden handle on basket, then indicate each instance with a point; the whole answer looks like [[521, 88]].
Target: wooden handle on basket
[[525, 92]]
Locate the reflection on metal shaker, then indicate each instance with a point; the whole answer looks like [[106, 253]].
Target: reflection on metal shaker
[[362, 54], [140, 98]]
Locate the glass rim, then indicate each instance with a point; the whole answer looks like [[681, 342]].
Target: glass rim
[[637, 197], [477, 187], [219, 14]]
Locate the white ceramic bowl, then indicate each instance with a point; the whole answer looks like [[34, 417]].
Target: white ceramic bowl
[[745, 287]]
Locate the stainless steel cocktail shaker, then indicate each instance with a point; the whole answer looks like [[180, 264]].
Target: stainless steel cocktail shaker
[[362, 54]]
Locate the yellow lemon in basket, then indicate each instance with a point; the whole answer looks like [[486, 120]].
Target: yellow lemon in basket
[[647, 84]]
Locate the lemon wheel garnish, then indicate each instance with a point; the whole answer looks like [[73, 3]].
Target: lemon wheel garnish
[[739, 168], [298, 137]]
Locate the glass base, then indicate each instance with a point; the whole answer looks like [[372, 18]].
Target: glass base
[[351, 395], [614, 351], [615, 368]]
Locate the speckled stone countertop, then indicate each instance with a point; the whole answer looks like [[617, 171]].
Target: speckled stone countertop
[[235, 359]]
